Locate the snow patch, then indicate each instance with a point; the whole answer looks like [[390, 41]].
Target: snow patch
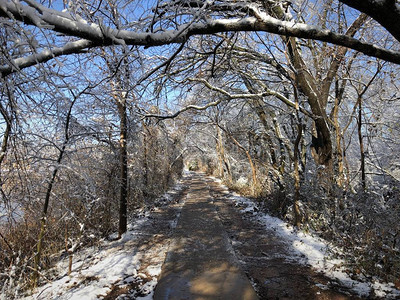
[[148, 289], [314, 251], [107, 267], [154, 270]]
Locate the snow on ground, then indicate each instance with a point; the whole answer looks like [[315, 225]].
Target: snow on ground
[[96, 270], [314, 251], [94, 273], [99, 269]]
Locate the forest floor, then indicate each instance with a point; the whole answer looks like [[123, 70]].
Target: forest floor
[[204, 242]]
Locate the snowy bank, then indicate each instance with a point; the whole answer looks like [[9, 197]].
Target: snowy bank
[[128, 267], [315, 252]]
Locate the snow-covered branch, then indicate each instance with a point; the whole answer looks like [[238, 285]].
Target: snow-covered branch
[[229, 96], [186, 108], [45, 55], [226, 93], [100, 35]]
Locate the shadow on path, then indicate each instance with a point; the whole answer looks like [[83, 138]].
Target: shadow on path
[[201, 263]]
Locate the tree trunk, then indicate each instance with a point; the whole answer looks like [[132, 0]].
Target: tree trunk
[[254, 182], [360, 139], [296, 205], [321, 140], [220, 154], [258, 106], [317, 93], [4, 144], [7, 131], [119, 87], [222, 158], [282, 157], [251, 163], [43, 220], [123, 200], [338, 135], [146, 133]]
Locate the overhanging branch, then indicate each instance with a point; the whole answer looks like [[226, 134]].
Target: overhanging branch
[[100, 35], [228, 96], [45, 55]]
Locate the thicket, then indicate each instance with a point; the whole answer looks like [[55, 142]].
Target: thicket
[[360, 222], [84, 199]]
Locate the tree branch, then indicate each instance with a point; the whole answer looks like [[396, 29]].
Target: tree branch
[[227, 95], [45, 55], [100, 35], [386, 13]]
